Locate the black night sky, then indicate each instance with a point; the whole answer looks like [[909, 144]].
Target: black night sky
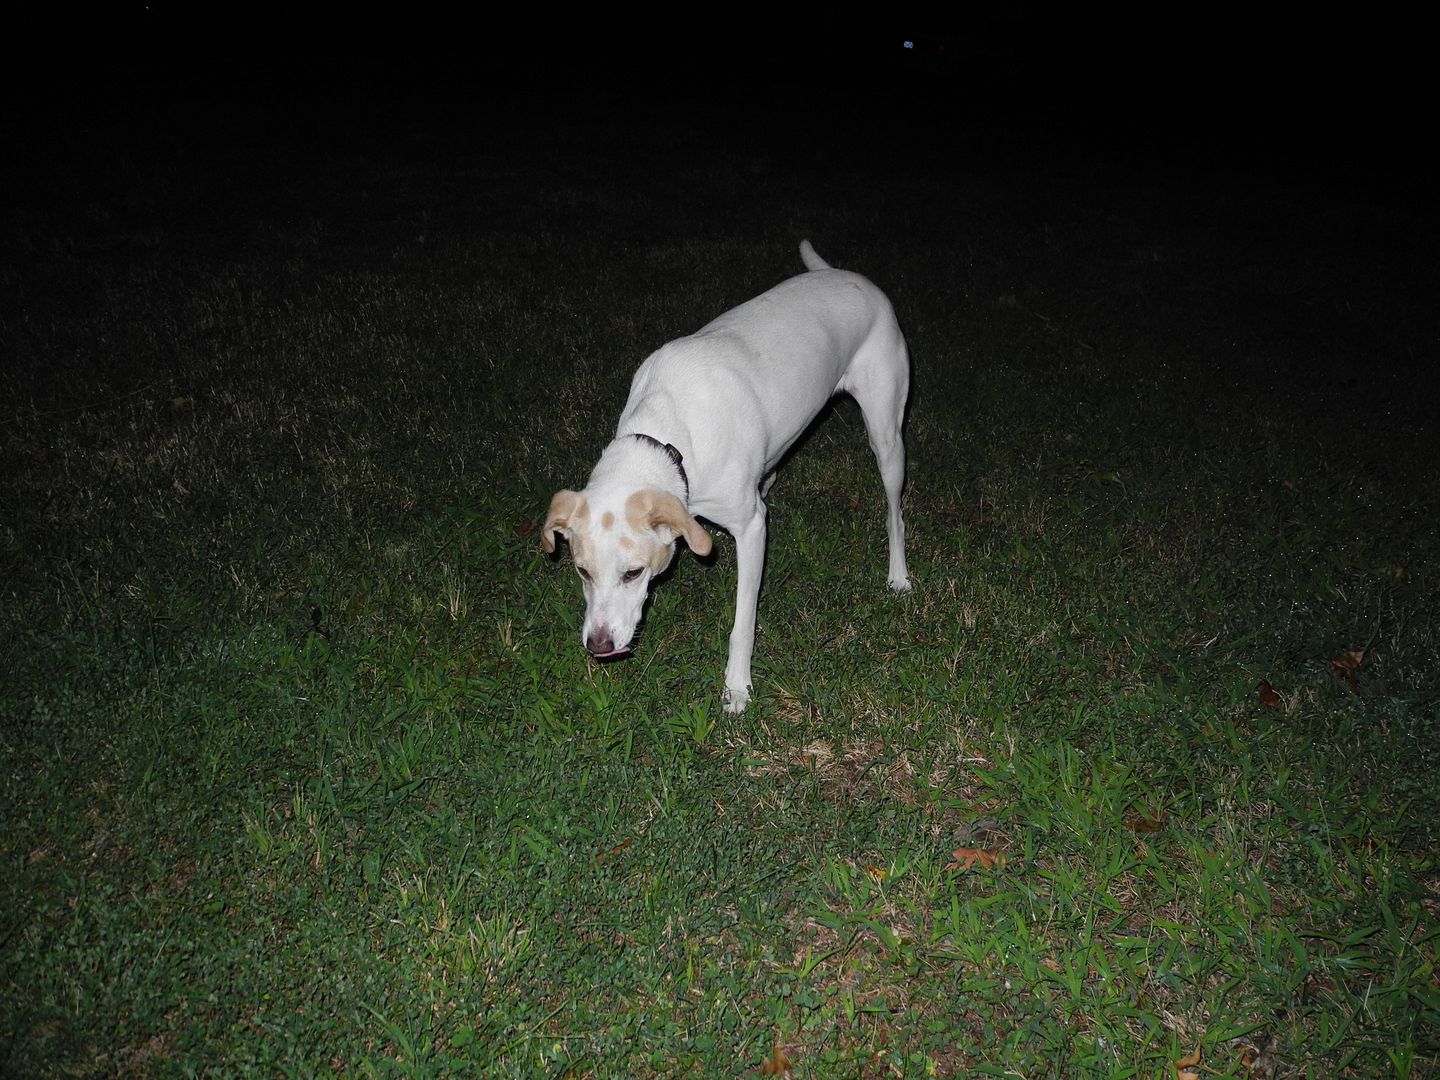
[[247, 97]]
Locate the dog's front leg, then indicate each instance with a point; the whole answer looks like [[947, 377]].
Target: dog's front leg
[[749, 567]]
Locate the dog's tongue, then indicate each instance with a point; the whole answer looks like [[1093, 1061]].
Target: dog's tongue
[[611, 654]]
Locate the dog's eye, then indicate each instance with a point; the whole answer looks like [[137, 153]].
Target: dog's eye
[[631, 575], [584, 574]]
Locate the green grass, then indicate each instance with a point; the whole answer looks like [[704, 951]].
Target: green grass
[[305, 771]]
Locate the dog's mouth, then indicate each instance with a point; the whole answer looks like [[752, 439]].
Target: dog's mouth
[[600, 644], [613, 654]]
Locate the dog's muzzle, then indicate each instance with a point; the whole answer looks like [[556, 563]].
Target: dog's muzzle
[[601, 647]]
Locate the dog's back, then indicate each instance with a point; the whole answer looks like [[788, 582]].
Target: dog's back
[[767, 367]]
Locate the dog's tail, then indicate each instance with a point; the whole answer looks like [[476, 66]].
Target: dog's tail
[[812, 261]]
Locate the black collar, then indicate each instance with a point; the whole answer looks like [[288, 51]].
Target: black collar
[[674, 456]]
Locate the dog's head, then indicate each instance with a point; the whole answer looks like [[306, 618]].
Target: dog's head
[[619, 541]]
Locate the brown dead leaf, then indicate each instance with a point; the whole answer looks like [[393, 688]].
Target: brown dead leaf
[[1257, 1056], [1142, 824], [1314, 986], [777, 1064], [599, 855], [877, 873], [1185, 1068], [1268, 696], [1344, 665], [963, 858]]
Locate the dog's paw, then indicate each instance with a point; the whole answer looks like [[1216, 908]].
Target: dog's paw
[[734, 701], [900, 587]]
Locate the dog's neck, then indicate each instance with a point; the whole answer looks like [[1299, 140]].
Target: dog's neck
[[670, 452], [668, 462]]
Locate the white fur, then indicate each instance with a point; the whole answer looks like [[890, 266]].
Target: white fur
[[732, 398]]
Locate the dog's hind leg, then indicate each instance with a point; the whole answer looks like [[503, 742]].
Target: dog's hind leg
[[879, 379]]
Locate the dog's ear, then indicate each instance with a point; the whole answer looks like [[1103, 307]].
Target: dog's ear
[[563, 507], [667, 514]]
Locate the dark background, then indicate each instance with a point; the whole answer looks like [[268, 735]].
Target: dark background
[[1347, 93], [232, 112]]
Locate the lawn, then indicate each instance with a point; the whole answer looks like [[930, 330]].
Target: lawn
[[306, 771]]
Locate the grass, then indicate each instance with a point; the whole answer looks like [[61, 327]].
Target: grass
[[305, 772]]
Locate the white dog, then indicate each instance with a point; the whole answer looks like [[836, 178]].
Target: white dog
[[708, 418]]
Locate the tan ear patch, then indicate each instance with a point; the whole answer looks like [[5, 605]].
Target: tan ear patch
[[567, 509], [662, 512]]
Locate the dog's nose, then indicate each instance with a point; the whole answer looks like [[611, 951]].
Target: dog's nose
[[602, 646]]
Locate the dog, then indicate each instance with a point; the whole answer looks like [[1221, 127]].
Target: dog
[[708, 419]]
